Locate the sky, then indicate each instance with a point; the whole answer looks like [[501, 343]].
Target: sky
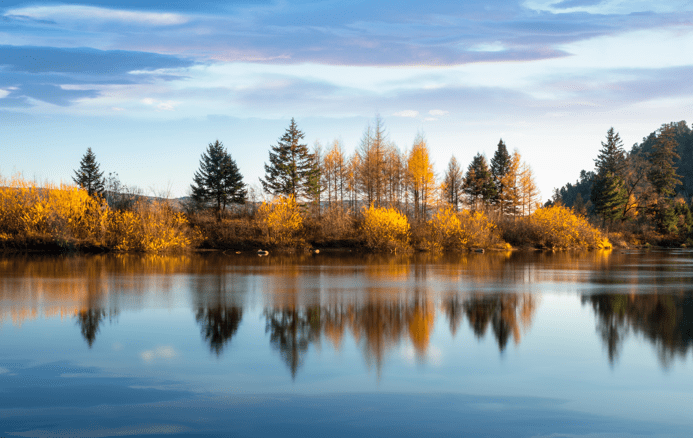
[[148, 85]]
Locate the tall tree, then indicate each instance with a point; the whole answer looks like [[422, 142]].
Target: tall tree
[[663, 177], [500, 165], [421, 176], [609, 195], [88, 176], [478, 183], [452, 183], [218, 182], [371, 172], [291, 170], [529, 192]]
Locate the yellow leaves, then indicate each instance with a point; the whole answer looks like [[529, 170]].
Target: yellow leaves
[[559, 227], [454, 231], [385, 228], [280, 221], [66, 213]]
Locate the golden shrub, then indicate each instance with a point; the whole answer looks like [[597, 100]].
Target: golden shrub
[[280, 221], [463, 230], [559, 227], [150, 227], [67, 213], [385, 228]]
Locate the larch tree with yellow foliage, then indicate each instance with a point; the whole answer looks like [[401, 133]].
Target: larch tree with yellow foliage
[[421, 176]]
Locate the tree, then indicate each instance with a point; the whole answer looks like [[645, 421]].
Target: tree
[[663, 177], [88, 176], [291, 170], [478, 183], [528, 192], [500, 166], [609, 194], [218, 181], [371, 172], [421, 176], [452, 184], [334, 172]]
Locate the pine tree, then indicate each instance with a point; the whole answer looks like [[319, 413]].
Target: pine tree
[[88, 176], [663, 177], [478, 183], [500, 166], [218, 181], [609, 195], [452, 183], [291, 170]]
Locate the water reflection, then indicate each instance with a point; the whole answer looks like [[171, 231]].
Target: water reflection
[[380, 302], [664, 320]]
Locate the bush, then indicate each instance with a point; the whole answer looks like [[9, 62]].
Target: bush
[[463, 230], [280, 222], [149, 227], [67, 215], [559, 227], [385, 228]]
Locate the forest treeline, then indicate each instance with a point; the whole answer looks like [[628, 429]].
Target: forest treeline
[[378, 198], [642, 195]]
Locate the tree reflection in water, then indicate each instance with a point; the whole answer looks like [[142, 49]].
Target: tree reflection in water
[[89, 321], [380, 326], [665, 320], [218, 325]]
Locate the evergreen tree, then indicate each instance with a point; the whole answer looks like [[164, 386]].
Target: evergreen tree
[[663, 177], [88, 176], [609, 195], [218, 181], [478, 182], [662, 174], [500, 166], [292, 168], [452, 183]]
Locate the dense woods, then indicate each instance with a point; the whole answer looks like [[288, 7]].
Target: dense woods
[[379, 198], [642, 195]]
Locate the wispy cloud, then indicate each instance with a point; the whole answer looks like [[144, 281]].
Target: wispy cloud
[[438, 112], [406, 113], [70, 13]]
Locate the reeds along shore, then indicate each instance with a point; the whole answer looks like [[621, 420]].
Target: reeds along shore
[[65, 217]]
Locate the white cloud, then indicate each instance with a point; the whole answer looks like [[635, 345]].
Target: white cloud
[[148, 101], [430, 119], [608, 7], [117, 108], [169, 105], [91, 13], [406, 113], [160, 352], [4, 370], [437, 112], [488, 47], [4, 93]]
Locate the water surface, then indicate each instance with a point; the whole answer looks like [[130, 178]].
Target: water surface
[[595, 344]]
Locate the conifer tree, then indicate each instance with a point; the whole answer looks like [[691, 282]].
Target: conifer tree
[[218, 182], [291, 169], [500, 165], [609, 194], [421, 176], [452, 184], [478, 183], [663, 177], [88, 176]]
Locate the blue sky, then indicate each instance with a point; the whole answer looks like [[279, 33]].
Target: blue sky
[[148, 85]]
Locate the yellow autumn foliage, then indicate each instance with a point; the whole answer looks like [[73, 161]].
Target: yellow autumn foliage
[[559, 227], [280, 221], [463, 230], [385, 228], [66, 214]]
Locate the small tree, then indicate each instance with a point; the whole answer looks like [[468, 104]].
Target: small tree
[[218, 182], [478, 183], [500, 167], [88, 176]]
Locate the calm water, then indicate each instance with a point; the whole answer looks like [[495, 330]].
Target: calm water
[[593, 345]]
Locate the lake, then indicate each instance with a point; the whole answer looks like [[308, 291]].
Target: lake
[[593, 344]]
